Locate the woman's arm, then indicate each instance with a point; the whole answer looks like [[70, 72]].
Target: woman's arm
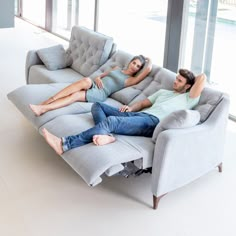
[[98, 79], [105, 73], [141, 75]]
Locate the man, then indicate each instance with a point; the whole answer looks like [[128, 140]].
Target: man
[[140, 119]]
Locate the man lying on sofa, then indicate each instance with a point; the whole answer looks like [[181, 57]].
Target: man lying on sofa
[[140, 119]]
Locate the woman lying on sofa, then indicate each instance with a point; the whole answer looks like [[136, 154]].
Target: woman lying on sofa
[[87, 90]]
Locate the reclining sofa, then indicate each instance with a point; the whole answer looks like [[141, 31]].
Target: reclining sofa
[[185, 145]]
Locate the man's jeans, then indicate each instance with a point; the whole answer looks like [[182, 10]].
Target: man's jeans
[[109, 120]]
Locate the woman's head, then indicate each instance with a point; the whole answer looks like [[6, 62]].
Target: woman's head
[[137, 63]]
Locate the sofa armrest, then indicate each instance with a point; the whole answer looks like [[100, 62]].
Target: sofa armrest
[[32, 58], [183, 155]]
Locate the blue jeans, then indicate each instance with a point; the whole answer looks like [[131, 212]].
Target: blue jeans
[[109, 120]]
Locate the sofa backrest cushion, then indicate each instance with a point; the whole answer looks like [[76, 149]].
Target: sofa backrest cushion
[[54, 57], [177, 120], [89, 49], [158, 78], [209, 99]]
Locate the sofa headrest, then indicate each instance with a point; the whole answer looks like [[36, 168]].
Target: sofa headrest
[[209, 99], [89, 49]]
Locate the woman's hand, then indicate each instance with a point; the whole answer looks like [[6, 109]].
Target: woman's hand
[[98, 82], [125, 108]]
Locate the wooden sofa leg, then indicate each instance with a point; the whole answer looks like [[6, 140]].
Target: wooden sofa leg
[[156, 201], [220, 167]]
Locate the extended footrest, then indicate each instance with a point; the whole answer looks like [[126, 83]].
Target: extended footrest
[[131, 170]]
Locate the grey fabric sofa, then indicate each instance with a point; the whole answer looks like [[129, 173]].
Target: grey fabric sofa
[[185, 146]]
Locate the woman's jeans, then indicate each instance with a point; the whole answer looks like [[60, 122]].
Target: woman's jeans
[[109, 120]]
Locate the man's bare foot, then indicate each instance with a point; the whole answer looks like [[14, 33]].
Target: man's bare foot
[[53, 141], [37, 109], [103, 139]]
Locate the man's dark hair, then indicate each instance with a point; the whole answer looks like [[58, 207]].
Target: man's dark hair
[[188, 75]]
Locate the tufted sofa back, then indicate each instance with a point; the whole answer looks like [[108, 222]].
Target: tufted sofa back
[[89, 50]]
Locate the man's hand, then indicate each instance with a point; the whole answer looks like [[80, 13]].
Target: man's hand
[[98, 82], [138, 106], [125, 108]]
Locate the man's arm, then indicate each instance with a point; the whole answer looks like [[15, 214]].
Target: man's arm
[[198, 86], [138, 106]]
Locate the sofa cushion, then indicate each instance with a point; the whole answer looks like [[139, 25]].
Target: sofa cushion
[[90, 165], [126, 95], [160, 78], [209, 99], [37, 93], [177, 120], [54, 57], [88, 49], [39, 74]]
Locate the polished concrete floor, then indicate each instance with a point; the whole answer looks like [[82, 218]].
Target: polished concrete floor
[[40, 195]]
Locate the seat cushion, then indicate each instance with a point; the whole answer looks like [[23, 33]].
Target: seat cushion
[[91, 161], [37, 93], [39, 74]]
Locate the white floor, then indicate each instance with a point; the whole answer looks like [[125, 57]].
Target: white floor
[[40, 195]]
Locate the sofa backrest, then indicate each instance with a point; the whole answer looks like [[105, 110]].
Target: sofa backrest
[[209, 99], [89, 49], [158, 78]]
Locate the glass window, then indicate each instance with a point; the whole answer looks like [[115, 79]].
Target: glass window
[[86, 13], [67, 13], [34, 11], [224, 51], [208, 43], [137, 27], [17, 7]]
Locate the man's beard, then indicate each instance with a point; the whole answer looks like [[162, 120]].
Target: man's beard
[[180, 89]]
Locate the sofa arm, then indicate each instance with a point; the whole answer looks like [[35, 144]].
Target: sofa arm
[[180, 156], [32, 58], [183, 155]]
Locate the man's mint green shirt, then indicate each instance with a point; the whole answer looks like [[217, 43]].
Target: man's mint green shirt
[[165, 102]]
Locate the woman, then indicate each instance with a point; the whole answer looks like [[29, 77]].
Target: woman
[[87, 90]]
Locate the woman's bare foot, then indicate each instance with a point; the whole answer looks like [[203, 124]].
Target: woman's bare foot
[[53, 141], [37, 109], [103, 139]]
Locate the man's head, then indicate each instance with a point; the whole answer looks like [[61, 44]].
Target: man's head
[[184, 81]]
